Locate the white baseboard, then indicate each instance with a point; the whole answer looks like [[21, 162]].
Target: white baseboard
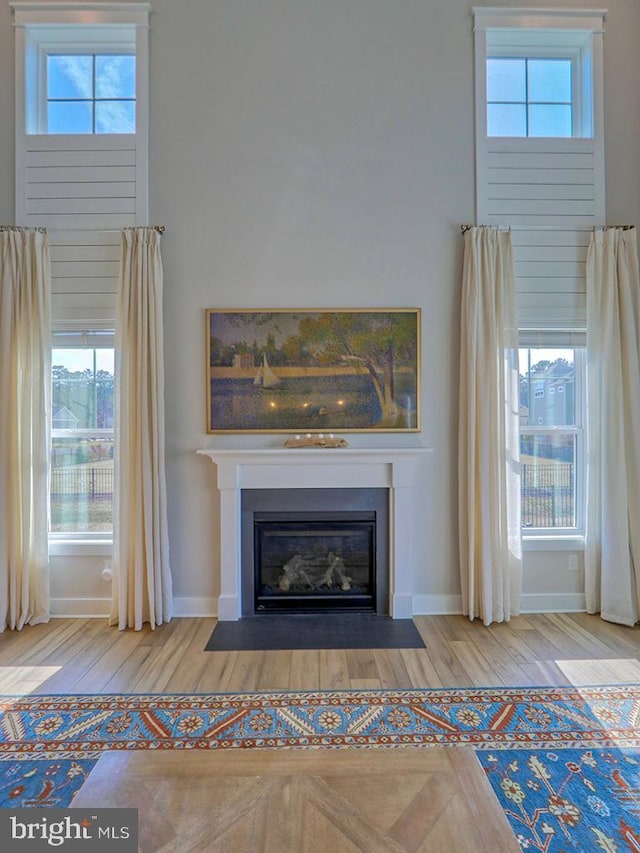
[[79, 608], [436, 605], [197, 607], [421, 605], [402, 606], [553, 602], [556, 602], [88, 608]]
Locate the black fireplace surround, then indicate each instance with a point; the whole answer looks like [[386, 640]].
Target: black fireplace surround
[[310, 550]]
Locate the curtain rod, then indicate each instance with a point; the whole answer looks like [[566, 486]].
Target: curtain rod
[[22, 228], [465, 228], [159, 228]]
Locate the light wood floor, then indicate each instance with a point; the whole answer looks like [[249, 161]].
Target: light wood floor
[[377, 800]]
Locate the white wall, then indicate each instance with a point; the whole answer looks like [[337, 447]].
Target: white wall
[[321, 154]]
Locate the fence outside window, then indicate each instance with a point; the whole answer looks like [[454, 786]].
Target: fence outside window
[[548, 491], [548, 495]]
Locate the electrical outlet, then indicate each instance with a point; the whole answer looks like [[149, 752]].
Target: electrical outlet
[[573, 563]]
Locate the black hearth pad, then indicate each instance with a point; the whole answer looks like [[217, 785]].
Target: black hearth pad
[[283, 631]]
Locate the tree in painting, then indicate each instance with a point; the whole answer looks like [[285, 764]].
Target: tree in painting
[[377, 343]]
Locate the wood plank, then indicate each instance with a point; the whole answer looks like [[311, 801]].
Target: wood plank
[[276, 671], [420, 668], [392, 672], [305, 670], [333, 670], [190, 669], [217, 672], [361, 664]]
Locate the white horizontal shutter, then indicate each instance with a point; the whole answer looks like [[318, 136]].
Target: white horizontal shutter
[[84, 277], [548, 191], [78, 182]]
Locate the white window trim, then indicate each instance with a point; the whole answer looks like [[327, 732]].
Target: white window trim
[[56, 26], [574, 33], [581, 100], [565, 538], [94, 22], [38, 120]]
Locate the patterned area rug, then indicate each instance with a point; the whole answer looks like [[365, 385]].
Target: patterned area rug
[[569, 799], [549, 752]]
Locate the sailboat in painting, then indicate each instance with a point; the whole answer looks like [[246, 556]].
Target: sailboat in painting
[[265, 377]]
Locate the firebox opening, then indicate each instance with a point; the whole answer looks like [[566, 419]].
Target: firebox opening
[[308, 561], [309, 550]]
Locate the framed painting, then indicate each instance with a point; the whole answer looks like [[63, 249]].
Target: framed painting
[[310, 371]]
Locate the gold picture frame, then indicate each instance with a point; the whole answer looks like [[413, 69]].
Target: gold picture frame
[[313, 370]]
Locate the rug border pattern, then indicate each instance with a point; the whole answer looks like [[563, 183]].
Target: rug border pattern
[[86, 725]]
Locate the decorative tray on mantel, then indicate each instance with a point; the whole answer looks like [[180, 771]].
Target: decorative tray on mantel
[[318, 440]]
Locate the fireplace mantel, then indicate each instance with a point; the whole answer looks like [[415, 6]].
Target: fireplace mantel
[[396, 469]]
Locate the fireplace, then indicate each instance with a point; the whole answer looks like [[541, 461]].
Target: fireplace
[[314, 550], [393, 472]]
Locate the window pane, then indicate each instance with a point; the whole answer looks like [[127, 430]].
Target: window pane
[[115, 117], [115, 76], [69, 117], [82, 455], [506, 80], [69, 76], [547, 478], [82, 484], [547, 387], [550, 120], [506, 120], [82, 388], [549, 80]]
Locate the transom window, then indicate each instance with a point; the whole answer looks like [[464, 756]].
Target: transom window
[[529, 96], [91, 93]]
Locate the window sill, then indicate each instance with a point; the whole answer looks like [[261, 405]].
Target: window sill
[[80, 547], [553, 543]]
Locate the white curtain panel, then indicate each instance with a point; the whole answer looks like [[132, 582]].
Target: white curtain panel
[[25, 382], [612, 556], [142, 590], [488, 453]]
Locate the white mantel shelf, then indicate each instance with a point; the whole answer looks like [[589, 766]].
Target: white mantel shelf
[[395, 469]]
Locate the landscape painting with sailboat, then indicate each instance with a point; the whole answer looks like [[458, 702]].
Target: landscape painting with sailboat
[[313, 371]]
